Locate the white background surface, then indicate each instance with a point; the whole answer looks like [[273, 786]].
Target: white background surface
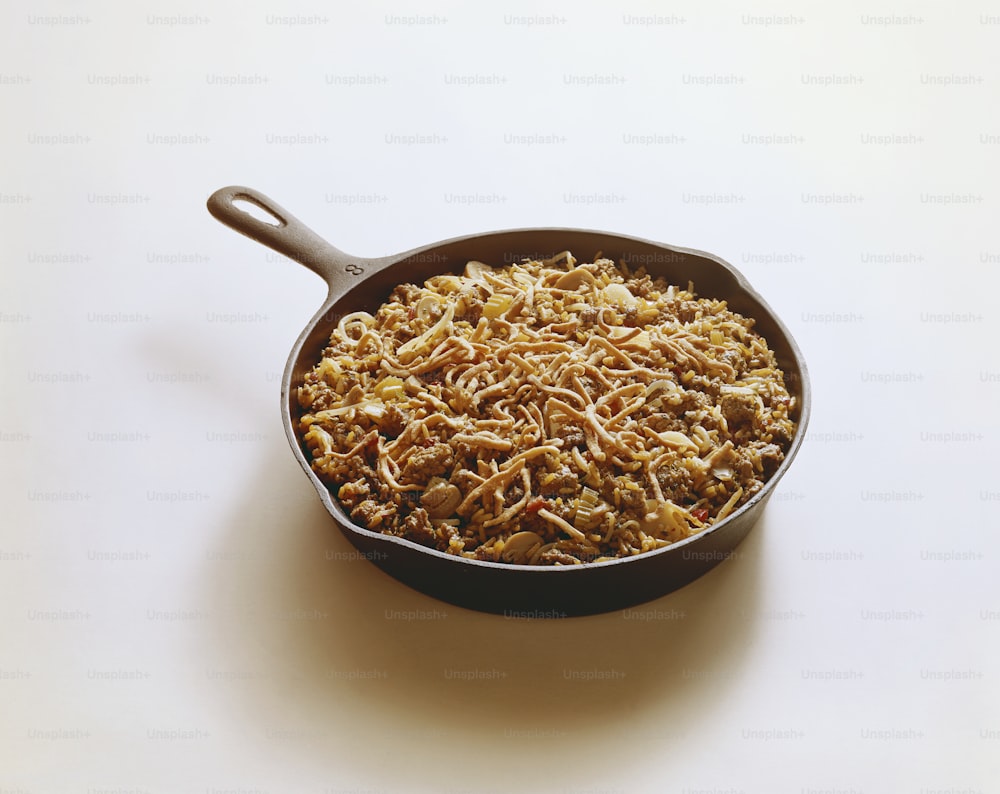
[[177, 611]]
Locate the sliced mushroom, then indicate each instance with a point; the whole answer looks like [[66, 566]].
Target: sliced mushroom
[[441, 498], [574, 279], [722, 473], [520, 546], [426, 306], [475, 270]]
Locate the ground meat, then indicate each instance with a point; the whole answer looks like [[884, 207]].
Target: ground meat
[[562, 481], [601, 267], [591, 386], [417, 527], [617, 493], [357, 468], [561, 509], [372, 514], [514, 495], [386, 492], [629, 538], [734, 359], [407, 294], [572, 436], [693, 400], [738, 409], [465, 480], [770, 456], [555, 557], [661, 423], [473, 310], [688, 311], [709, 422], [607, 476], [749, 491], [423, 464], [743, 467], [393, 422], [779, 435], [633, 500], [339, 430], [579, 550], [532, 522], [485, 553], [318, 399], [711, 387], [445, 532], [640, 287], [465, 450], [676, 482]]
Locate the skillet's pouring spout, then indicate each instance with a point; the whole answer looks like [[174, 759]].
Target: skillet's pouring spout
[[286, 234]]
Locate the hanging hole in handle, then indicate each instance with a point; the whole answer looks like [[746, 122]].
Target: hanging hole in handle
[[257, 211]]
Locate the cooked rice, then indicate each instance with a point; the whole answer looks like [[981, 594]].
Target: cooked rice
[[545, 412]]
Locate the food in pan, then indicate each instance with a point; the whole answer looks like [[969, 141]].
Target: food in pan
[[545, 412]]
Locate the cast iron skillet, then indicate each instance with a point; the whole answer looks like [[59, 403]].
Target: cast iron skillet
[[357, 283]]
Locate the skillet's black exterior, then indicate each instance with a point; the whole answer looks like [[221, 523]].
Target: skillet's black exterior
[[513, 590]]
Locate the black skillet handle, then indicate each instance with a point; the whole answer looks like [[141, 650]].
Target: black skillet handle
[[287, 235]]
